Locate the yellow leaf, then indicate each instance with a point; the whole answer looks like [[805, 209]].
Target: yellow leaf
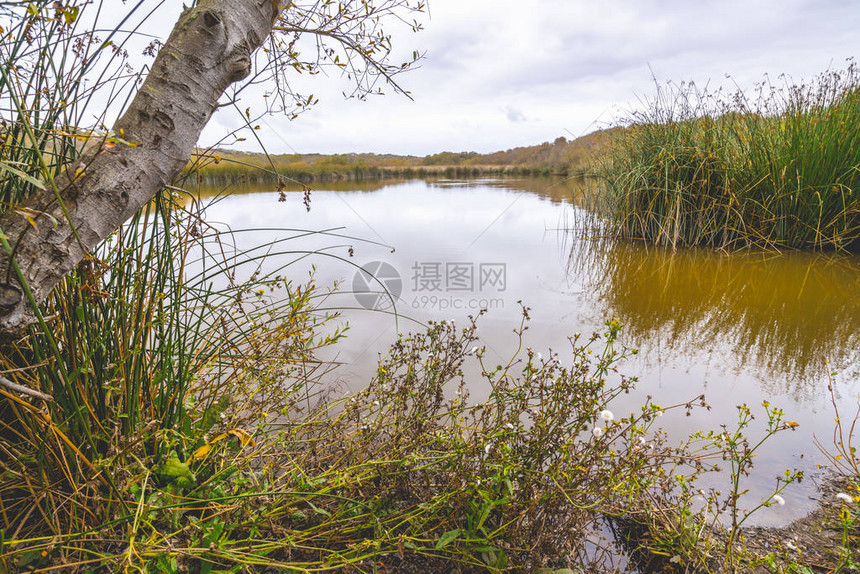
[[201, 452], [219, 437], [243, 437]]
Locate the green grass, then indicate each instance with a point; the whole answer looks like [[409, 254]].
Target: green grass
[[168, 413], [778, 170]]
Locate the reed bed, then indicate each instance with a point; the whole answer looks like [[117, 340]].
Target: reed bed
[[776, 169], [218, 167]]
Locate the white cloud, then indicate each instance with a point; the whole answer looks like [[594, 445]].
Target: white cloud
[[562, 65], [514, 115]]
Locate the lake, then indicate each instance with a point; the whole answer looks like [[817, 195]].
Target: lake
[[739, 327]]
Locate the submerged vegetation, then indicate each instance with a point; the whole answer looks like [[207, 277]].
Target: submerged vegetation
[[778, 170]]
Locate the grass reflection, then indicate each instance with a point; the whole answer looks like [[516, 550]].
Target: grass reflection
[[781, 315]]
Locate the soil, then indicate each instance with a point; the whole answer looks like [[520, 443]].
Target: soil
[[821, 541]]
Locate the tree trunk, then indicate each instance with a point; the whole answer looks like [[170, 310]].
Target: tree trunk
[[209, 49]]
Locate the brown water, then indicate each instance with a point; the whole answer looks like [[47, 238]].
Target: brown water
[[741, 327]]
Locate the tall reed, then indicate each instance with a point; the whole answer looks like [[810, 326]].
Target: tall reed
[[777, 169], [153, 338], [58, 84], [164, 415]]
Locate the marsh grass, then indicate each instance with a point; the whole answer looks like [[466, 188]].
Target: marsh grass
[[776, 169], [167, 413], [199, 445], [141, 359], [54, 72], [220, 167]]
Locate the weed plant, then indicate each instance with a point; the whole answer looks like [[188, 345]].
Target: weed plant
[[167, 414], [228, 457], [778, 169], [160, 444]]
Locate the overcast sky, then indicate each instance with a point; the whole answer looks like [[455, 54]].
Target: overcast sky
[[505, 73]]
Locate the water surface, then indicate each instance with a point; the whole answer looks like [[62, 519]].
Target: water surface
[[741, 327]]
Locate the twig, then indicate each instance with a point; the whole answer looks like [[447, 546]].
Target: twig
[[25, 390]]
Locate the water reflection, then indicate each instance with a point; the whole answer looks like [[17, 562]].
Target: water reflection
[[741, 327], [557, 190], [771, 319], [780, 315]]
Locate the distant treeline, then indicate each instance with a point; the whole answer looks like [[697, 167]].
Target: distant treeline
[[561, 157]]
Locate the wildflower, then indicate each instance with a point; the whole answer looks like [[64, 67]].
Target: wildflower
[[607, 415], [597, 432], [488, 448], [472, 351], [844, 497], [376, 403], [509, 426], [779, 500], [539, 356], [790, 545]]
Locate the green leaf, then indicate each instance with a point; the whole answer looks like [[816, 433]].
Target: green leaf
[[17, 172], [71, 14], [448, 538], [214, 535], [318, 510], [174, 467]]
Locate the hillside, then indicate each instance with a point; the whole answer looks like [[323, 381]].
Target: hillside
[[560, 157]]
